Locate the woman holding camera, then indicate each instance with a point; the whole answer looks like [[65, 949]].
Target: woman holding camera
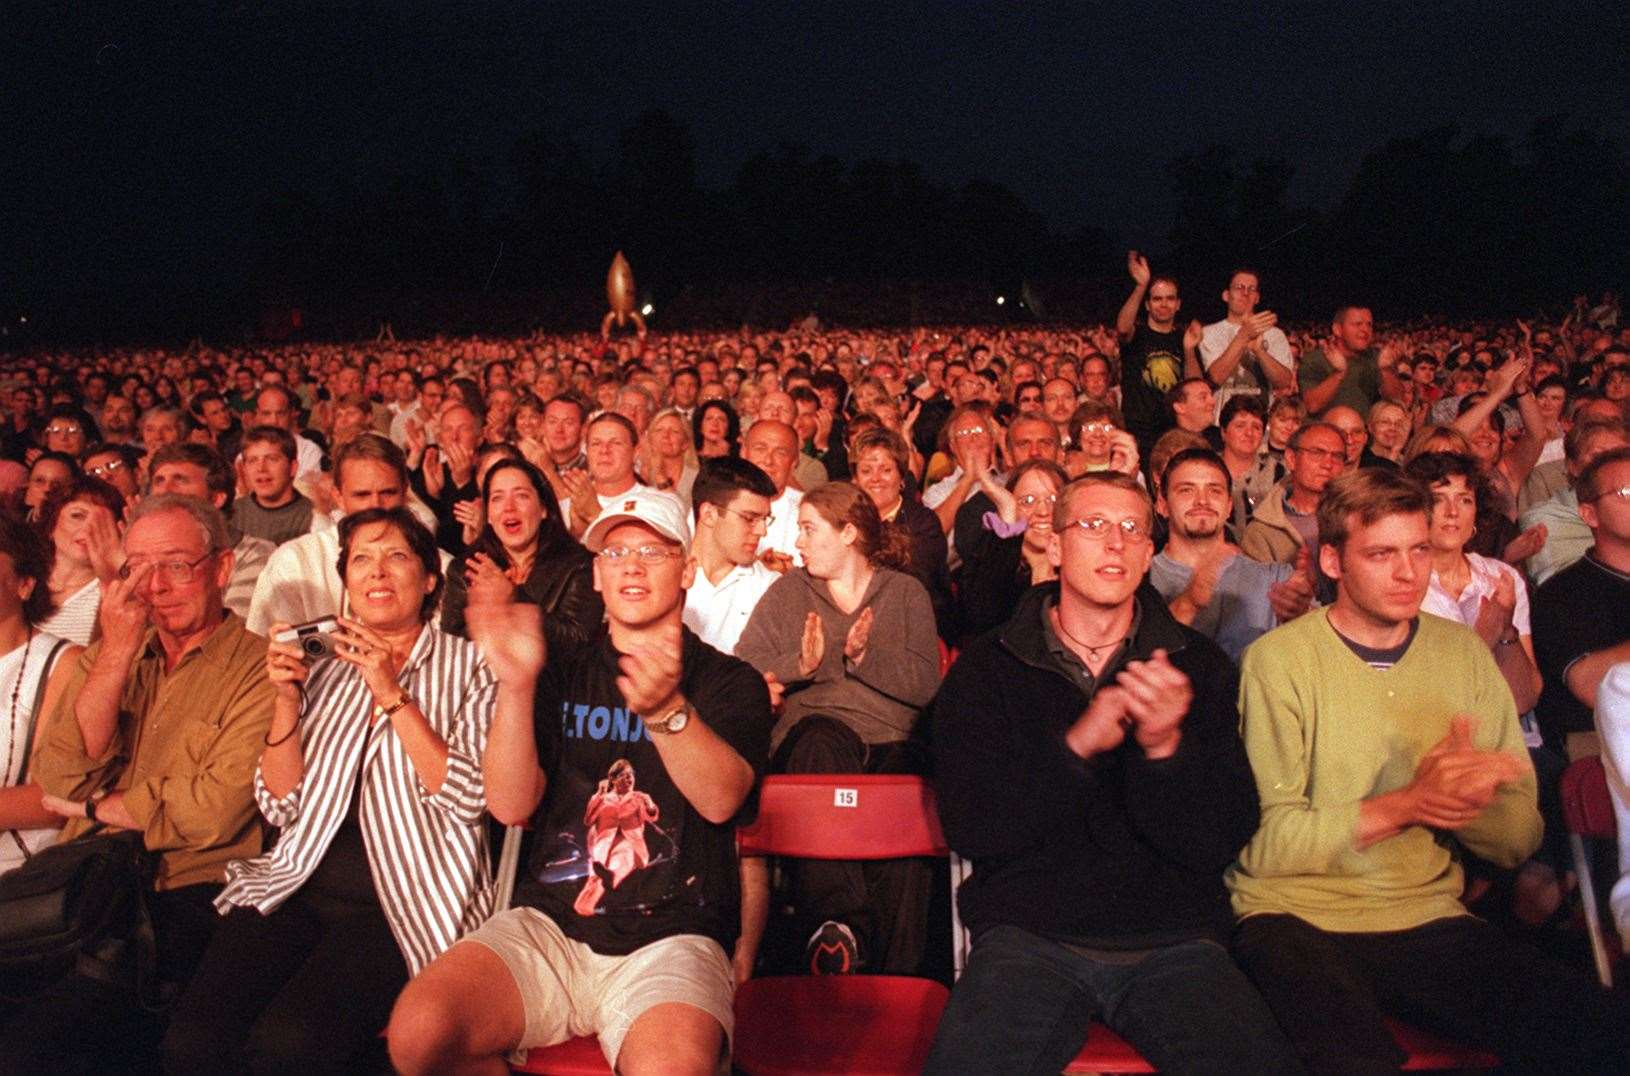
[[372, 771]]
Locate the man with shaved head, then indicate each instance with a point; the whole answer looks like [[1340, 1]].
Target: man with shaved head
[[807, 471], [772, 446]]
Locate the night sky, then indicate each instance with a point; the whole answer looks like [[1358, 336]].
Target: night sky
[[143, 128]]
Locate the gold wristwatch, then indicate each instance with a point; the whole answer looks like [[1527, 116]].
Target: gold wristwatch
[[671, 722]]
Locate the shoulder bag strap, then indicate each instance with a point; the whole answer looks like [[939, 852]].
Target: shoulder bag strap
[[34, 714], [34, 717]]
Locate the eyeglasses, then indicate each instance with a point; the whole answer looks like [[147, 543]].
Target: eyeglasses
[[648, 554], [968, 431], [1623, 493], [1320, 453], [62, 430], [1098, 427], [752, 519], [1098, 528], [103, 470], [1030, 500], [172, 571]]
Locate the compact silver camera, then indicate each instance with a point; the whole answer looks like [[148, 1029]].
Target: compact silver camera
[[315, 639]]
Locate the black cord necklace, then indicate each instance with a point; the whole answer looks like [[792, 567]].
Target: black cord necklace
[[16, 690], [1092, 651]]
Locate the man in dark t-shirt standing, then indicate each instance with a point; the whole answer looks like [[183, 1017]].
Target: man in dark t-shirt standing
[[645, 744], [1154, 354]]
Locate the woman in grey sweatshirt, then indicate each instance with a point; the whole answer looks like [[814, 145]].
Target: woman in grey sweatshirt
[[850, 638], [869, 657]]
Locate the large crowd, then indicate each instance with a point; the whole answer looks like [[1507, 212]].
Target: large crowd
[[1243, 659]]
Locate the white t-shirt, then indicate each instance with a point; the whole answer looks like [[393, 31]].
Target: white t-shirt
[[717, 614], [1218, 335]]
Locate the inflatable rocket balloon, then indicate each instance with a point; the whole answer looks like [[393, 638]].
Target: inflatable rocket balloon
[[620, 298]]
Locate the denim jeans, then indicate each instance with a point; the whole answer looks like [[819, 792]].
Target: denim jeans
[[1023, 1005]]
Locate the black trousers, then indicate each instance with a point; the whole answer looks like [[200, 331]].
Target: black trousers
[[306, 989], [1458, 977], [885, 902], [83, 1025]]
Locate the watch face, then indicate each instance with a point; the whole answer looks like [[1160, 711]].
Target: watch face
[[677, 720]]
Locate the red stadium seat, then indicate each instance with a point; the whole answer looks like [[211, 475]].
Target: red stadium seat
[[1105, 1051], [874, 1024], [574, 1057], [1429, 1051], [1587, 807]]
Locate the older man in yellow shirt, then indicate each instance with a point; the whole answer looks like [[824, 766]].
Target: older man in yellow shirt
[[160, 731]]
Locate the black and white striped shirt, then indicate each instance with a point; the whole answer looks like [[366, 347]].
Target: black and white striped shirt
[[428, 853]]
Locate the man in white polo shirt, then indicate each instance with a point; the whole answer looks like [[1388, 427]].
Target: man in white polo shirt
[[1245, 353], [731, 499]]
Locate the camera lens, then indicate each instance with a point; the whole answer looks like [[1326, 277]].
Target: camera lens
[[313, 646]]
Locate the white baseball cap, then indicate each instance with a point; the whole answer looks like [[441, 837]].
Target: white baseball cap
[[660, 511]]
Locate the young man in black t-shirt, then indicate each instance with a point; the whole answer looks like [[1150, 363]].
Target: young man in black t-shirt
[[645, 745], [1155, 356]]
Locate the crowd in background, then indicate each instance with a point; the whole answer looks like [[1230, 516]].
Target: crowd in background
[[853, 508]]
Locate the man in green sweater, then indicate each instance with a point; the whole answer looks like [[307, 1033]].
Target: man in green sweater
[[1385, 744]]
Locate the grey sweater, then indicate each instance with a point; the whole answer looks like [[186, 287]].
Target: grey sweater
[[881, 697]]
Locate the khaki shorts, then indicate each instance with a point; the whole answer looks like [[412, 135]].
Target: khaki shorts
[[569, 990]]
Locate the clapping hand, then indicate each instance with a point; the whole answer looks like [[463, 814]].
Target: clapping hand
[[1495, 611], [811, 646], [1292, 597], [1526, 544], [509, 636], [1123, 453], [471, 517], [1455, 780], [1193, 335], [1137, 266], [488, 583], [860, 633], [650, 675]]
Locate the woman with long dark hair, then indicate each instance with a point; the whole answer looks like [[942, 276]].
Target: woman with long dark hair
[[524, 553]]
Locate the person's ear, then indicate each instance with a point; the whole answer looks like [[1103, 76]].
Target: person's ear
[[1330, 560]]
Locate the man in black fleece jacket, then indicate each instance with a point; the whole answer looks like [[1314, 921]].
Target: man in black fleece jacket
[[1088, 761]]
